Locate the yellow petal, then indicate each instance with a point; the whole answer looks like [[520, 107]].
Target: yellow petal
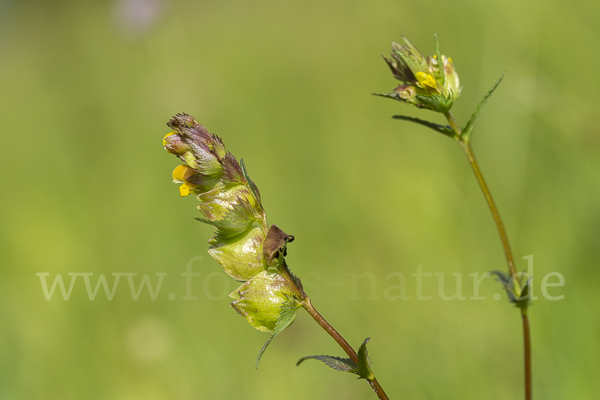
[[182, 172], [426, 80], [185, 189]]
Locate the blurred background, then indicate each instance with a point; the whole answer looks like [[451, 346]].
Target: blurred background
[[87, 88]]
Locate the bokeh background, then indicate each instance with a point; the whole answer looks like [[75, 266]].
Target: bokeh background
[[86, 88]]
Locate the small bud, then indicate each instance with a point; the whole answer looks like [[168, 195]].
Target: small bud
[[260, 299], [182, 121], [241, 256], [175, 144], [452, 85], [206, 151]]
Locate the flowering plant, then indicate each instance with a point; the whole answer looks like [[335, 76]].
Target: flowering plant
[[432, 84]]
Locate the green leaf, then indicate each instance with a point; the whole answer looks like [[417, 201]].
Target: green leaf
[[468, 128], [363, 369], [337, 363], [393, 96], [285, 319], [503, 277], [364, 364], [520, 300], [443, 129]]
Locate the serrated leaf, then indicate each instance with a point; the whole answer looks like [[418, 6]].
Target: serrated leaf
[[521, 300], [503, 277], [364, 364], [468, 128], [337, 363], [443, 129], [285, 319], [393, 96]]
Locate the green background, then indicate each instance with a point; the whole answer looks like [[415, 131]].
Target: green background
[[86, 90]]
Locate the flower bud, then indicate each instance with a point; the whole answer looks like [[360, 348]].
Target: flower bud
[[175, 144], [452, 84], [206, 151], [240, 256], [260, 299]]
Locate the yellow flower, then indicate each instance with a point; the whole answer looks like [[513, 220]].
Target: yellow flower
[[427, 82], [181, 174]]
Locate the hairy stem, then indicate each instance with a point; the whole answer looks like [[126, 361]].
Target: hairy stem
[[343, 344], [505, 245]]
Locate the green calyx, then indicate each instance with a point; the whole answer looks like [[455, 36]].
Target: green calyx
[[260, 299], [230, 209], [241, 256]]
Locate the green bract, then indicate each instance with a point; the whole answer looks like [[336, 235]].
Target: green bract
[[229, 208]]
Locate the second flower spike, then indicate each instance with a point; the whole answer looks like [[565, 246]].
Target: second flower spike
[[427, 82]]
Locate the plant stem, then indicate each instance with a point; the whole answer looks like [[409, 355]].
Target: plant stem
[[505, 245], [527, 351], [343, 344], [495, 213]]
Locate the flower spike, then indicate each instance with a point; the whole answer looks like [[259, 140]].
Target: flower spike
[[427, 82]]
